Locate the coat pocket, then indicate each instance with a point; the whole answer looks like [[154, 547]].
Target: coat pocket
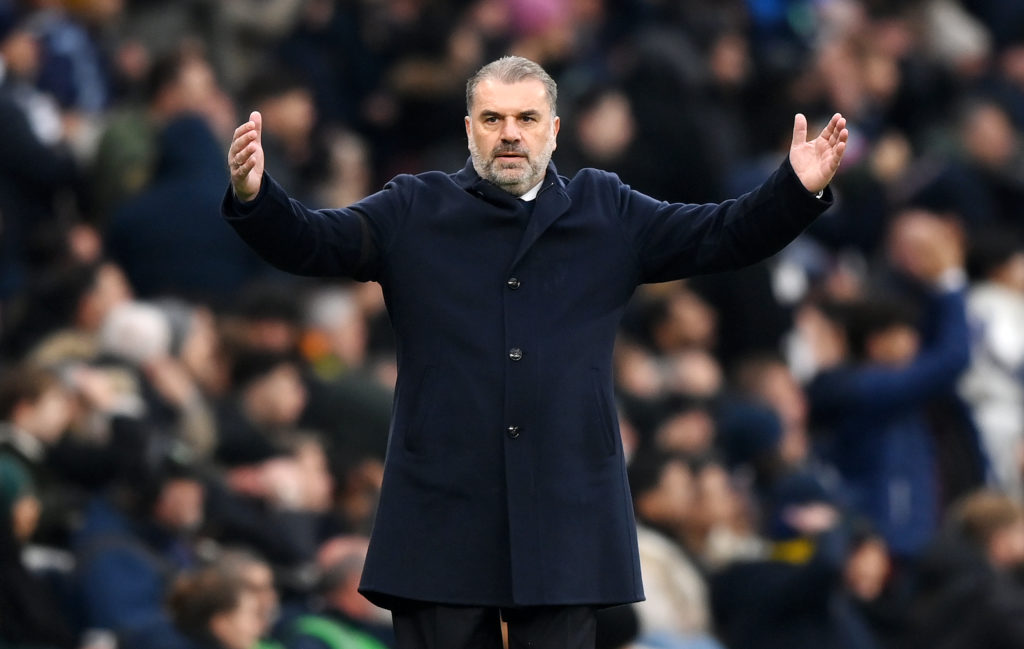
[[607, 419]]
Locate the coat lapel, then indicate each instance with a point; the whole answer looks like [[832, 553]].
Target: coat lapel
[[552, 202]]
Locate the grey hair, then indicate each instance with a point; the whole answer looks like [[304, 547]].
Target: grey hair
[[511, 69]]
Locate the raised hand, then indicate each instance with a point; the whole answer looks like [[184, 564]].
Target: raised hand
[[815, 162], [245, 158]]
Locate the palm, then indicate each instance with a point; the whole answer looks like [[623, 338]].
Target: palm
[[816, 161]]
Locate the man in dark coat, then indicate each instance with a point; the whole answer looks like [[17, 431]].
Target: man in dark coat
[[505, 484]]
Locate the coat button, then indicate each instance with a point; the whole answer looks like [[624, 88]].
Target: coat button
[[513, 283], [515, 354], [512, 432]]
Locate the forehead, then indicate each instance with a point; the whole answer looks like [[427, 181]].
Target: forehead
[[497, 96]]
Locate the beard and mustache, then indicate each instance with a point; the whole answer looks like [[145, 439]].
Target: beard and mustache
[[516, 177]]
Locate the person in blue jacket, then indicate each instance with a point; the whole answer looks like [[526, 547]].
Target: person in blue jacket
[[505, 489], [875, 401]]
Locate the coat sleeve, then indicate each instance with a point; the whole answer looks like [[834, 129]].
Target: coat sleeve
[[677, 240], [345, 242], [934, 371]]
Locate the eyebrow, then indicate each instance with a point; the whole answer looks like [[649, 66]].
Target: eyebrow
[[526, 113]]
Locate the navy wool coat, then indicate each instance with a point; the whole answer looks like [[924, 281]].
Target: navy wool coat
[[505, 482]]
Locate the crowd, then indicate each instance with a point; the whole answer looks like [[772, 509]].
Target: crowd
[[826, 449]]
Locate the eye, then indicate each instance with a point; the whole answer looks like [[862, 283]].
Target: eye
[[491, 119], [527, 118]]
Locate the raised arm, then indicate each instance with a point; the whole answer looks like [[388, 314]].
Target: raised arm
[[676, 240], [346, 241]]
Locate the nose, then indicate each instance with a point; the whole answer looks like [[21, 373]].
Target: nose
[[510, 130]]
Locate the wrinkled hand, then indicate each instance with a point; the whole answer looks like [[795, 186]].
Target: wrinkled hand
[[245, 158], [815, 162]]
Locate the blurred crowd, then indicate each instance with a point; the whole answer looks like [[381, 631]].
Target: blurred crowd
[[825, 450]]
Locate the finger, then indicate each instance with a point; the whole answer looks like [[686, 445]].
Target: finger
[[837, 154], [238, 144], [841, 140], [249, 164], [837, 128], [244, 169], [244, 148], [243, 129], [799, 129], [257, 121]]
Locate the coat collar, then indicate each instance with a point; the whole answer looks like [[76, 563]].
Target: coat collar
[[552, 201]]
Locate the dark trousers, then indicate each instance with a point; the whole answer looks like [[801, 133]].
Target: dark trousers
[[423, 625]]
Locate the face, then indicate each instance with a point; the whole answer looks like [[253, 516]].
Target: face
[[180, 505], [895, 346], [259, 580], [49, 416], [241, 627], [20, 51], [511, 133], [671, 502], [1006, 547], [110, 289], [279, 398]]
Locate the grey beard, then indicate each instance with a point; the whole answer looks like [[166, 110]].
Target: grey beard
[[537, 166]]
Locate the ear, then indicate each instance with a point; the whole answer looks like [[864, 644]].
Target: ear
[[468, 128], [557, 124]]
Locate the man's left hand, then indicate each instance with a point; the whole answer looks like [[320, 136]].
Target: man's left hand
[[815, 162]]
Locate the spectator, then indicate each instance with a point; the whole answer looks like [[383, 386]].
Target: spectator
[[35, 410], [65, 309], [267, 400], [134, 540], [256, 575], [280, 506], [676, 612], [180, 250], [291, 145], [966, 595], [994, 382], [179, 83], [74, 69], [37, 165], [874, 401], [29, 612], [794, 598], [346, 619], [140, 341], [215, 610]]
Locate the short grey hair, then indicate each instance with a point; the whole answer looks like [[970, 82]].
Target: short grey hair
[[511, 69]]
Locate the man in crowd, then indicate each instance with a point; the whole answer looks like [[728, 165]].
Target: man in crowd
[[505, 489]]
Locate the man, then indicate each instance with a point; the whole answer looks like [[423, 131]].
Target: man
[[878, 401], [968, 584], [35, 412], [505, 485], [345, 619]]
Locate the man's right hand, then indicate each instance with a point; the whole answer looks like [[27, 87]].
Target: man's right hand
[[245, 158]]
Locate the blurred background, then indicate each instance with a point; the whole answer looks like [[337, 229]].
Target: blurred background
[[825, 449]]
